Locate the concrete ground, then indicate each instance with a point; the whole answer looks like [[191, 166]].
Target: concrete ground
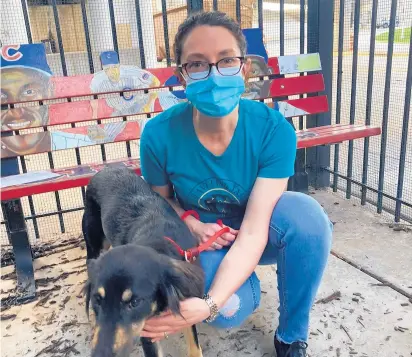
[[368, 319]]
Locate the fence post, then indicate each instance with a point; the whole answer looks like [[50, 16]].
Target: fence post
[[320, 39], [194, 6]]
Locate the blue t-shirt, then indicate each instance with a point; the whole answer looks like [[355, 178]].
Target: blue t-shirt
[[217, 187]]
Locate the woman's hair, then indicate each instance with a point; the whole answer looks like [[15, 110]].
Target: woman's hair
[[210, 18]]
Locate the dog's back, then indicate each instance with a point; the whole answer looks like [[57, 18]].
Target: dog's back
[[122, 207]]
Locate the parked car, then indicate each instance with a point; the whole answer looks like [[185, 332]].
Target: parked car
[[384, 23]]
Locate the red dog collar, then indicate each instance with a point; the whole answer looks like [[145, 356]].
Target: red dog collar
[[191, 254]]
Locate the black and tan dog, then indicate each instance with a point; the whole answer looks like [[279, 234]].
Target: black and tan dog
[[142, 274]]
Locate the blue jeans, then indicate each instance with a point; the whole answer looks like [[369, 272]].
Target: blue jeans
[[300, 237]]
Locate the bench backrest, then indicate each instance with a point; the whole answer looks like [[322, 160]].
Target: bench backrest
[[126, 91]]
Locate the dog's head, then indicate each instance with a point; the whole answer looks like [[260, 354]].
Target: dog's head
[[129, 284]]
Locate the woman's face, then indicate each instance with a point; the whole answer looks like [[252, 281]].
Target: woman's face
[[211, 44]]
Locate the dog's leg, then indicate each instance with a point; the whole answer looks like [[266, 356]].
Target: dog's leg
[[92, 229], [151, 349], [192, 342]]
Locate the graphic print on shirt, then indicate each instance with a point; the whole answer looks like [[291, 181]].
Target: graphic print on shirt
[[225, 198]]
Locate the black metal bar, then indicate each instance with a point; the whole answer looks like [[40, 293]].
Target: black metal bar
[[30, 198], [166, 32], [353, 92], [102, 148], [140, 34], [56, 193], [360, 184], [59, 37], [79, 162], [26, 20], [238, 12], [16, 226], [404, 141], [299, 181], [49, 214], [194, 6], [386, 97], [320, 28], [33, 211], [338, 86], [260, 14], [128, 149], [113, 24], [141, 51], [369, 100], [282, 27], [87, 35], [215, 8], [301, 44], [302, 26]]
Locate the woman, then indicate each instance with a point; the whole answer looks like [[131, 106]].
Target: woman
[[230, 158]]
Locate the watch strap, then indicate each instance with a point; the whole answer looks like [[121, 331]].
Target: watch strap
[[214, 310]]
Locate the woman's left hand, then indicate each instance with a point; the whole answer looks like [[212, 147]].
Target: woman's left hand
[[194, 310]]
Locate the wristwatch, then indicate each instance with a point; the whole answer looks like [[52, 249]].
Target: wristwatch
[[214, 310]]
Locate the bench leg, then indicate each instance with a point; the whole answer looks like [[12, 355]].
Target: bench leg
[[299, 182], [18, 237]]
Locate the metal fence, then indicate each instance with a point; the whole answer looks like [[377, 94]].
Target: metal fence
[[365, 48], [372, 85]]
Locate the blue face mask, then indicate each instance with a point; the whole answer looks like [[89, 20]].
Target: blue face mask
[[215, 96]]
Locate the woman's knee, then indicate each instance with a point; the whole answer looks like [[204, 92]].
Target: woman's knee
[[240, 305], [301, 215]]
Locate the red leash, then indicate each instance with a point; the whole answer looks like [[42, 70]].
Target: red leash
[[192, 253]]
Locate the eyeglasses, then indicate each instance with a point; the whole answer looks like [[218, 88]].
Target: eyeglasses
[[228, 66]]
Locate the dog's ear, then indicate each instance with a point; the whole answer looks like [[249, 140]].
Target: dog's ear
[[180, 280]]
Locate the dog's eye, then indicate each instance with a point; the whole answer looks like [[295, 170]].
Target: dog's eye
[[134, 302]]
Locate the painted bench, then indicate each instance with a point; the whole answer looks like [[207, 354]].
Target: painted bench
[[118, 94]]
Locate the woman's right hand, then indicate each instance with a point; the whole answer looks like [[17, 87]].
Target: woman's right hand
[[204, 231]]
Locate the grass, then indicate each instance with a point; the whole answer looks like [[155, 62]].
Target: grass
[[383, 37]]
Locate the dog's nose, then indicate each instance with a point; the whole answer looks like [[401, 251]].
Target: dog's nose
[[102, 344]]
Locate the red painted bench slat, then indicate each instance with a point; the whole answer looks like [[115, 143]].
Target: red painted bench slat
[[283, 87], [80, 175], [333, 134]]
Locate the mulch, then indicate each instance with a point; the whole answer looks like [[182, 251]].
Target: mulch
[[42, 249]]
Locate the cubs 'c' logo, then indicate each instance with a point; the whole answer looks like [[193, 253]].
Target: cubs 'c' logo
[[10, 56]]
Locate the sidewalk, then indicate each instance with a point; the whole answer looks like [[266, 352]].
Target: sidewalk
[[367, 320]]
